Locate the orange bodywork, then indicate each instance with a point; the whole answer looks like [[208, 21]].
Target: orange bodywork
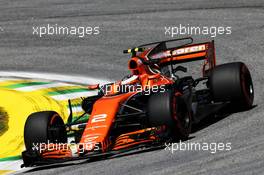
[[56, 151], [202, 51], [101, 119], [126, 140]]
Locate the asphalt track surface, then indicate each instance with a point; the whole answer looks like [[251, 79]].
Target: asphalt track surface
[[128, 23]]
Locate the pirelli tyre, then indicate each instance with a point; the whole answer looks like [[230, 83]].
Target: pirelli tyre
[[44, 127], [232, 82], [167, 109]]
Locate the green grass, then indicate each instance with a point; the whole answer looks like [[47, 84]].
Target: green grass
[[10, 158]]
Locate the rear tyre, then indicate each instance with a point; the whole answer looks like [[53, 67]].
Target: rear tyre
[[167, 109], [232, 82], [44, 127]]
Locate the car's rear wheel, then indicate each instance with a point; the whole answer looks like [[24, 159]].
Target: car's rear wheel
[[167, 109], [232, 82], [44, 127]]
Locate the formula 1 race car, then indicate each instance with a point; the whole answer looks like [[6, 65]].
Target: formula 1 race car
[[146, 109]]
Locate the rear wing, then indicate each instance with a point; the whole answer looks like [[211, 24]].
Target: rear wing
[[185, 53]]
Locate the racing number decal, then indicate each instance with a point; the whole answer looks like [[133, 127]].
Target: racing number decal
[[99, 118]]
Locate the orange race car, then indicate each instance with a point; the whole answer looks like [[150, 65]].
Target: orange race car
[[152, 106]]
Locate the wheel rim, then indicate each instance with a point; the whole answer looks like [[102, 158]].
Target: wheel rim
[[185, 120], [182, 118], [55, 129], [247, 85]]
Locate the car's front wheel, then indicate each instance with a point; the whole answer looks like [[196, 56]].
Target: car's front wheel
[[44, 127], [169, 110]]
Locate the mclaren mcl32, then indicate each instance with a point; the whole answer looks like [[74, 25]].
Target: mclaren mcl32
[[149, 107]]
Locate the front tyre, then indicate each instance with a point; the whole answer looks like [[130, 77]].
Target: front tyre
[[43, 127], [169, 110]]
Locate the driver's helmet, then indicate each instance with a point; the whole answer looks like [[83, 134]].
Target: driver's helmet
[[137, 67]]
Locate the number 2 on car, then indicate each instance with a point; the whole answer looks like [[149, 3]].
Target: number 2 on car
[[99, 118]]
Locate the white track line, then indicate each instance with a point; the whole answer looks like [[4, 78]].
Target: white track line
[[52, 77], [12, 165], [8, 79], [43, 86], [74, 95], [76, 109]]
